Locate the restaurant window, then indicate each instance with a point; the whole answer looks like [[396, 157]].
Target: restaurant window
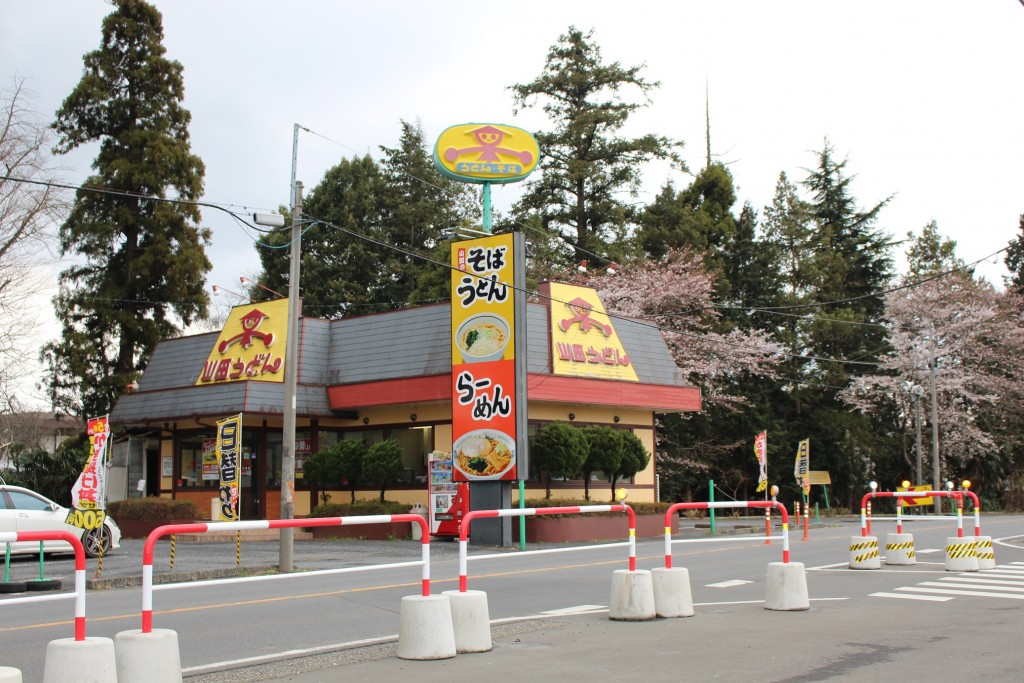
[[197, 458], [417, 442], [275, 454]]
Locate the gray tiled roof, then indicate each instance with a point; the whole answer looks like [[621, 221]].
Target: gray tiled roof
[[413, 342]]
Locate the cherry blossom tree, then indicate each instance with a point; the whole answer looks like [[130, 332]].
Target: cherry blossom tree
[[676, 294], [974, 335]]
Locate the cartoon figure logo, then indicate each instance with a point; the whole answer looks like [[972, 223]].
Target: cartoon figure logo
[[486, 153], [489, 138], [582, 309], [250, 324]]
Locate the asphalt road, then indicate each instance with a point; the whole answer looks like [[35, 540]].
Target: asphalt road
[[549, 617]]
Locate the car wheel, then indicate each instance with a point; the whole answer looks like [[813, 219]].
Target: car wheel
[[95, 539]]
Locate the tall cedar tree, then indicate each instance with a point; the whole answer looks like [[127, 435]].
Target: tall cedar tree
[[373, 215], [140, 264], [585, 165], [1015, 260], [846, 264]]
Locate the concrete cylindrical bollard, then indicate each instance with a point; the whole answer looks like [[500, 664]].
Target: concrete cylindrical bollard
[[632, 596], [67, 659], [785, 587], [151, 657], [899, 549], [672, 595], [471, 621], [425, 629], [8, 674], [864, 553], [985, 552], [960, 555]]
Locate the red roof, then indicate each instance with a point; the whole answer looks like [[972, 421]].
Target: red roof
[[554, 388]]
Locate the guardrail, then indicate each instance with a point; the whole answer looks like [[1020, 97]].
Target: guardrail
[[202, 527], [79, 594], [900, 495], [766, 504], [467, 520]]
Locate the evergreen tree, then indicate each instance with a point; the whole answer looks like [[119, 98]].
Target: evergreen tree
[[605, 453], [849, 266], [930, 254], [140, 263], [368, 220], [558, 450], [585, 163], [340, 272], [1015, 260]]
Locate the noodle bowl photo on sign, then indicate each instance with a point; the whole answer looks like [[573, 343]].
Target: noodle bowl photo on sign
[[484, 454], [482, 338]]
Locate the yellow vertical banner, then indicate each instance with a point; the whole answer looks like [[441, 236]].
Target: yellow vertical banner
[[803, 465], [229, 442]]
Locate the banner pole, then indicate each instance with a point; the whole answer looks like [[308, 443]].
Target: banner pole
[[711, 498]]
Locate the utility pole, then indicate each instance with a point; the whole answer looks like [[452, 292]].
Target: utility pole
[[291, 377]]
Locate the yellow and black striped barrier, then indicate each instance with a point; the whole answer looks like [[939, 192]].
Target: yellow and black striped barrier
[[961, 555], [864, 553]]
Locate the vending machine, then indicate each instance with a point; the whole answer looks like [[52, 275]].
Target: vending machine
[[448, 500]]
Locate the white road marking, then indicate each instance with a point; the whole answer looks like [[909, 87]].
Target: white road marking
[[933, 598], [728, 584], [578, 609], [965, 584], [983, 594]]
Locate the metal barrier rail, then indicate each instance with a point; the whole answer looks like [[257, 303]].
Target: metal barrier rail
[[900, 495], [768, 504], [202, 527], [79, 594], [977, 511], [529, 512]]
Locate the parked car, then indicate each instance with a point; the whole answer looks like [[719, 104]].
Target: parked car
[[22, 509]]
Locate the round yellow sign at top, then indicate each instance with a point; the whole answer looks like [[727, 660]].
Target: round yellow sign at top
[[486, 153]]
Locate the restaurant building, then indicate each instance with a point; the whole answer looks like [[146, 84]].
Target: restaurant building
[[381, 376]]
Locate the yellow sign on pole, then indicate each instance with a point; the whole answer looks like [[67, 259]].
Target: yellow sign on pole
[[913, 501], [819, 478]]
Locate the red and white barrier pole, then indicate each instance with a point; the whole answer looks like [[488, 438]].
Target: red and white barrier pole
[[76, 545], [899, 515], [768, 526], [675, 507], [869, 518], [806, 522], [528, 512], [203, 527]]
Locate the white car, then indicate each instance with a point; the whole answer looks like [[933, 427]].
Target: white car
[[22, 509]]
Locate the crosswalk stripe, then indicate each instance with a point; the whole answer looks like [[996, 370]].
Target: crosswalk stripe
[[932, 598], [972, 579], [983, 594], [953, 584]]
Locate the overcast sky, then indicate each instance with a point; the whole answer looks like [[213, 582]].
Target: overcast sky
[[923, 97]]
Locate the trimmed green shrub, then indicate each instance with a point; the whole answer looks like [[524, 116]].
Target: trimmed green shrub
[[360, 508], [153, 509]]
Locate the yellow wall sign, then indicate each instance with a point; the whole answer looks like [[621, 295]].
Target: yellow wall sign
[[583, 339], [251, 345], [486, 153]]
